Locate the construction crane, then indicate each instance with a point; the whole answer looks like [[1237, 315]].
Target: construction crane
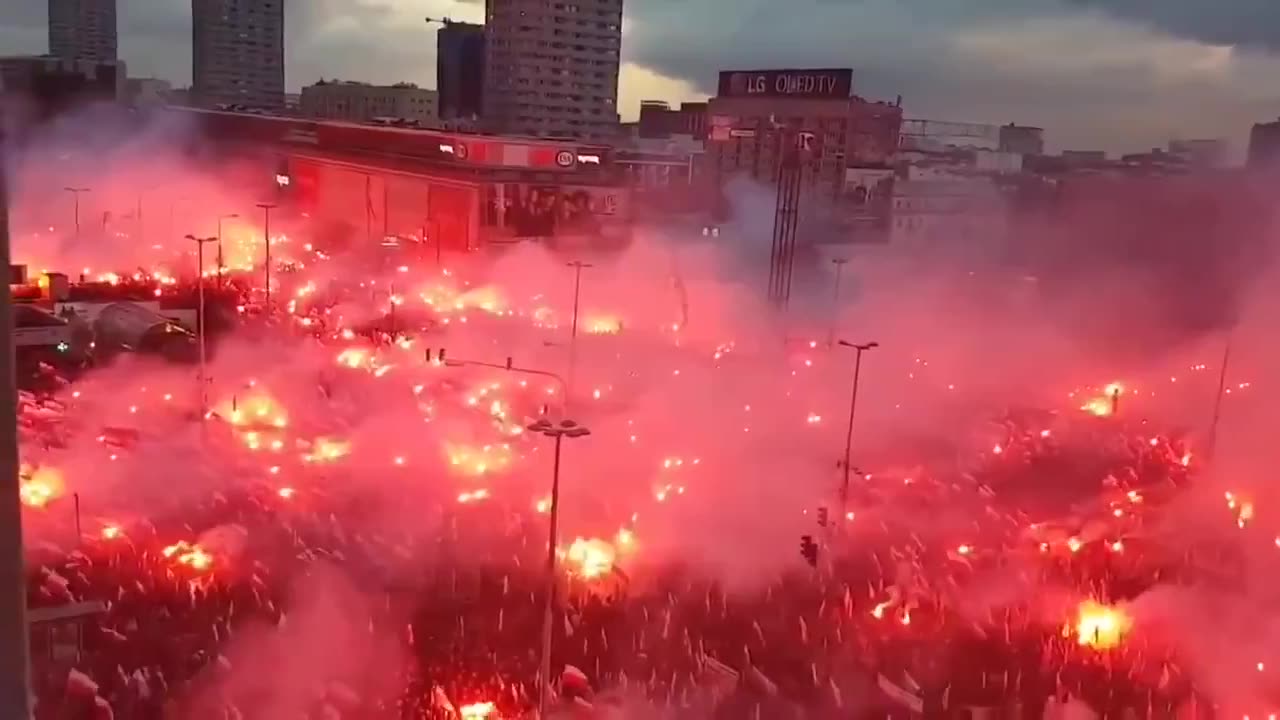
[[442, 21]]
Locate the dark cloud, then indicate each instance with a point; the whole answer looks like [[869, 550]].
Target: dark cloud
[[1229, 22], [1116, 74]]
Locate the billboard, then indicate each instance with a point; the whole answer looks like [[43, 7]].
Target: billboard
[[823, 83]]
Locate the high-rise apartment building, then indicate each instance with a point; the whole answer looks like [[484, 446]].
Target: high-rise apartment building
[[83, 30], [237, 49], [551, 67], [460, 70]]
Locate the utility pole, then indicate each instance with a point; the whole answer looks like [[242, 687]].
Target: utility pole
[[266, 242], [835, 300], [221, 266], [204, 378], [1212, 445], [786, 212], [15, 691], [559, 431], [848, 440], [578, 267]]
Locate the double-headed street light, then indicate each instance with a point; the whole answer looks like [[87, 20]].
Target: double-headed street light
[[848, 440], [75, 191], [558, 431], [231, 216], [200, 319]]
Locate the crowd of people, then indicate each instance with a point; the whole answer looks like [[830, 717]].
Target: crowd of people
[[896, 618]]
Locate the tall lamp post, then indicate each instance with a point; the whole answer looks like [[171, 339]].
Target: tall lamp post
[[15, 695], [578, 267], [221, 267], [266, 242], [200, 243], [75, 192], [848, 440], [839, 264], [558, 431], [1212, 445]]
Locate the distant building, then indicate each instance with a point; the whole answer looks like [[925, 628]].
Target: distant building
[[141, 92], [45, 86], [659, 121], [360, 102], [1080, 158], [460, 49], [1264, 145], [850, 144], [237, 49], [754, 110], [82, 29], [1205, 153], [1021, 139], [551, 67]]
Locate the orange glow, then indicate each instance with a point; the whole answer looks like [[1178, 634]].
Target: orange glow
[[327, 450], [477, 461], [1101, 627], [603, 326], [41, 487], [478, 711], [590, 559], [193, 556]]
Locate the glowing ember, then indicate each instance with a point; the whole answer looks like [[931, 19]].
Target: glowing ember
[[327, 450], [1101, 627], [478, 711], [41, 487], [603, 326], [193, 556], [590, 558], [473, 496], [476, 461]]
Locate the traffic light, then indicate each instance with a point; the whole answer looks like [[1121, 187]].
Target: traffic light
[[809, 550], [822, 517]]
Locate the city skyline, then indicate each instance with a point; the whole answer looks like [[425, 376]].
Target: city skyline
[[1104, 74]]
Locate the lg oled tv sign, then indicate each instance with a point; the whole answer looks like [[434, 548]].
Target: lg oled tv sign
[[820, 84]]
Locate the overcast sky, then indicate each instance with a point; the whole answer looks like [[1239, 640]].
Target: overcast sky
[[1109, 74]]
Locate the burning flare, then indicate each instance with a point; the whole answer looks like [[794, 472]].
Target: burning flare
[[590, 559], [1101, 627], [41, 486]]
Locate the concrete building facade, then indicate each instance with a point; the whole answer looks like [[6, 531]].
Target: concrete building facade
[[1264, 145], [1021, 139], [460, 49], [83, 30], [237, 52], [361, 102], [551, 67]]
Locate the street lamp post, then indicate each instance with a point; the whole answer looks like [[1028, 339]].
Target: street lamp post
[[848, 440], [578, 267], [266, 241], [75, 192], [835, 300], [559, 431], [1212, 446], [200, 319], [221, 267]]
